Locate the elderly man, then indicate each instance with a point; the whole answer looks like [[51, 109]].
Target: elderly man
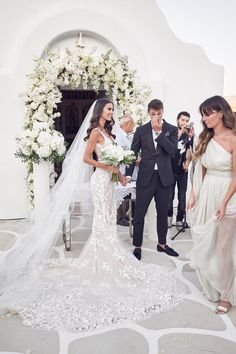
[[124, 139]]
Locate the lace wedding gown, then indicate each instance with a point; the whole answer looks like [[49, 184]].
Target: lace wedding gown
[[214, 253], [106, 284]]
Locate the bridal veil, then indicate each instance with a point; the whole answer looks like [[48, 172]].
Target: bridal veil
[[21, 264]]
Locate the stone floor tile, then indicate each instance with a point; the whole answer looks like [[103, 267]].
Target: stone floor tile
[[158, 258], [180, 343], [7, 239], [189, 314], [120, 341], [232, 315], [13, 225], [189, 274], [17, 338], [54, 254], [81, 235], [76, 248], [182, 247]]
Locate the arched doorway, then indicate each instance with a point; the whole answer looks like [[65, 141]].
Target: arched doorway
[[73, 108]]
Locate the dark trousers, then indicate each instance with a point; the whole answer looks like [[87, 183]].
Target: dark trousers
[[144, 196], [181, 179]]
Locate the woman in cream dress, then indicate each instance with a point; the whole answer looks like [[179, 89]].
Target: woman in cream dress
[[213, 204]]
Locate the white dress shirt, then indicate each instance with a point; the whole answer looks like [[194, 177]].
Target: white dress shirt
[[154, 136]]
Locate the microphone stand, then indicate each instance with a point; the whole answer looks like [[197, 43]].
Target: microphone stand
[[183, 228]]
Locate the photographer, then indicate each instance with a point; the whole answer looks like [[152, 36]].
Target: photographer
[[180, 164]]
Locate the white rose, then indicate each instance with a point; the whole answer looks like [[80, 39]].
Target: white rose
[[34, 105], [61, 149], [25, 150], [35, 147], [44, 151]]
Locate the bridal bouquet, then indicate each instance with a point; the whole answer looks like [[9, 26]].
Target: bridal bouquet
[[115, 155]]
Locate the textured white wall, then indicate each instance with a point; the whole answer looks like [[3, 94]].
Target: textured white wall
[[178, 73]]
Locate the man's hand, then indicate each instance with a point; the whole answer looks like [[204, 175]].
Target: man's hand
[[157, 124], [137, 163]]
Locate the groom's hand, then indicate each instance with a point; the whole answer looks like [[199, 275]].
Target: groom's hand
[[157, 124]]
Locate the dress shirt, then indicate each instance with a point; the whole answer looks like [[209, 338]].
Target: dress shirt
[[154, 136]]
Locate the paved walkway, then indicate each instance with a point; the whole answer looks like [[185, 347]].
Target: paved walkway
[[190, 328]]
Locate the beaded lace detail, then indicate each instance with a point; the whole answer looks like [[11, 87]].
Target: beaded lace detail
[[106, 284]]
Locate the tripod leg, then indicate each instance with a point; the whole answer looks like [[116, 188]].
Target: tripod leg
[[184, 226]]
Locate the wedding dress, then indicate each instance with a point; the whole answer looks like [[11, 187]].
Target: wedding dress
[[214, 252], [106, 284]]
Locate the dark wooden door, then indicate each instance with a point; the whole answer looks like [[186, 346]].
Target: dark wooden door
[[73, 108]]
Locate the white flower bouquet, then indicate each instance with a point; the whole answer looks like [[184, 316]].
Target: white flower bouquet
[[115, 155], [46, 144]]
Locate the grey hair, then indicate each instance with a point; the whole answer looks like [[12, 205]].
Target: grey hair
[[125, 120]]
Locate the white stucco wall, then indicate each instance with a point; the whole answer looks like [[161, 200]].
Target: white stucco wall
[[180, 74]]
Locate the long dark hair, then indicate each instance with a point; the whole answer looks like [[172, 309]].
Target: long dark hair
[[214, 104], [94, 121]]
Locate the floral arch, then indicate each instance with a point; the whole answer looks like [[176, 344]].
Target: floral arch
[[40, 140]]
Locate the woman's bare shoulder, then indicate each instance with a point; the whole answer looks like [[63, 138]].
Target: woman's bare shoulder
[[95, 132]]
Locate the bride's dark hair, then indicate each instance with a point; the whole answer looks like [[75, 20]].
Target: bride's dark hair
[[97, 111], [209, 106]]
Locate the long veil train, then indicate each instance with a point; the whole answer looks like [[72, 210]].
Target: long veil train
[[20, 266]]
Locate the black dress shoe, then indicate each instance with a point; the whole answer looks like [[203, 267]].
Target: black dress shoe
[[137, 253], [122, 222], [167, 250]]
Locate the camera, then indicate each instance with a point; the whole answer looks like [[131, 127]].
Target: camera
[[189, 126]]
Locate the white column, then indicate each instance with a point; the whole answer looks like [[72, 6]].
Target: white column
[[41, 174], [41, 189]]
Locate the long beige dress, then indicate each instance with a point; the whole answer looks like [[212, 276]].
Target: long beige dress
[[214, 252]]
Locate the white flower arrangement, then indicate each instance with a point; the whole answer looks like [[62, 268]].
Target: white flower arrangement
[[40, 144], [74, 68], [115, 155]]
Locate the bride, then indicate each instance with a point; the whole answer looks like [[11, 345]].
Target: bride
[[106, 284]]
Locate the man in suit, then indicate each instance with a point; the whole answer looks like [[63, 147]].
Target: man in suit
[[158, 142]]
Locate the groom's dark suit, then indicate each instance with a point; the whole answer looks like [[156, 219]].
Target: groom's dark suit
[[150, 182]]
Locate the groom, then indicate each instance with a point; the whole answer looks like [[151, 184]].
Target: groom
[[157, 141]]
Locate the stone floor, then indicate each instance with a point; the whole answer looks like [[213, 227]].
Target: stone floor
[[190, 328]]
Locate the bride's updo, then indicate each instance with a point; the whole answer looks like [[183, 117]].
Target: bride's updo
[[94, 121], [214, 104]]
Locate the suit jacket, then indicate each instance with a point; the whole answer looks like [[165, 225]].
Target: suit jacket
[[167, 145]]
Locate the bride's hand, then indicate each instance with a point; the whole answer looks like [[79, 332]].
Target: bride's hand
[[220, 212], [112, 169]]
